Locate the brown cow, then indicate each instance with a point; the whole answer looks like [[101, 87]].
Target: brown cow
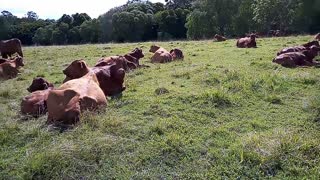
[[161, 55], [9, 47], [9, 69], [35, 104], [294, 59], [39, 83], [129, 61], [301, 48], [247, 42], [110, 74], [220, 38], [176, 54], [317, 37], [66, 103]]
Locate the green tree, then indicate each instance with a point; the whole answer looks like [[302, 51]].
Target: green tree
[[275, 14]]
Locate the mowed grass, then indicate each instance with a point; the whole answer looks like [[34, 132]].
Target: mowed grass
[[221, 113]]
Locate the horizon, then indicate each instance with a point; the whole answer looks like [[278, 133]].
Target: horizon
[[52, 9]]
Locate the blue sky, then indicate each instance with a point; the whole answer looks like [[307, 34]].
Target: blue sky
[[54, 9]]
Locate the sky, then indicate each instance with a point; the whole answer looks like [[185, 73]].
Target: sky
[[54, 9]]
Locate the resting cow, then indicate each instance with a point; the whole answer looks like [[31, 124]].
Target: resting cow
[[220, 38], [160, 55], [301, 48], [110, 75], [247, 42], [129, 61], [9, 47], [294, 59], [317, 37], [35, 104], [9, 69], [66, 103], [176, 54]]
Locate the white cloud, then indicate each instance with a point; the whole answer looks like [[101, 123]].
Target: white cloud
[[55, 9]]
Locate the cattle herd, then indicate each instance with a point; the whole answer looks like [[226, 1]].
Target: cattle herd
[[87, 88]]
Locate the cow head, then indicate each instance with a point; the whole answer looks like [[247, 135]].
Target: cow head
[[76, 69], [39, 84], [154, 48], [253, 36], [137, 53], [19, 61]]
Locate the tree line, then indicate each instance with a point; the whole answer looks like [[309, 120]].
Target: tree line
[[141, 20]]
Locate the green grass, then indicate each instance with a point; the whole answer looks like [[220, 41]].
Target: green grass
[[221, 113]]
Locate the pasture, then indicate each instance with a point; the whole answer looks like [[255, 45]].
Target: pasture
[[221, 113]]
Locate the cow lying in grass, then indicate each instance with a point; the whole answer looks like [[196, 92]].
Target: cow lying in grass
[[66, 103], [129, 61], [301, 48], [35, 104], [294, 59], [247, 42], [161, 55], [10, 68], [219, 38], [110, 75]]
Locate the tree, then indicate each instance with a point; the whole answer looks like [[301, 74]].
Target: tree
[[32, 15], [6, 13], [199, 25], [275, 14], [129, 25], [90, 31], [173, 22], [5, 28], [78, 19], [65, 19], [174, 4]]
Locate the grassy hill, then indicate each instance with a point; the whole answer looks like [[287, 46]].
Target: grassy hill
[[227, 113]]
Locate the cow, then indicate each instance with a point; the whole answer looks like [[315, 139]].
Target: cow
[[110, 74], [9, 47], [39, 83], [10, 68], [317, 37], [129, 61], [294, 59], [76, 69], [161, 55], [66, 103], [303, 47], [35, 104], [219, 38], [176, 54], [247, 42]]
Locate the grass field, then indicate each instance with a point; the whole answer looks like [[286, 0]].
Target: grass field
[[227, 113]]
